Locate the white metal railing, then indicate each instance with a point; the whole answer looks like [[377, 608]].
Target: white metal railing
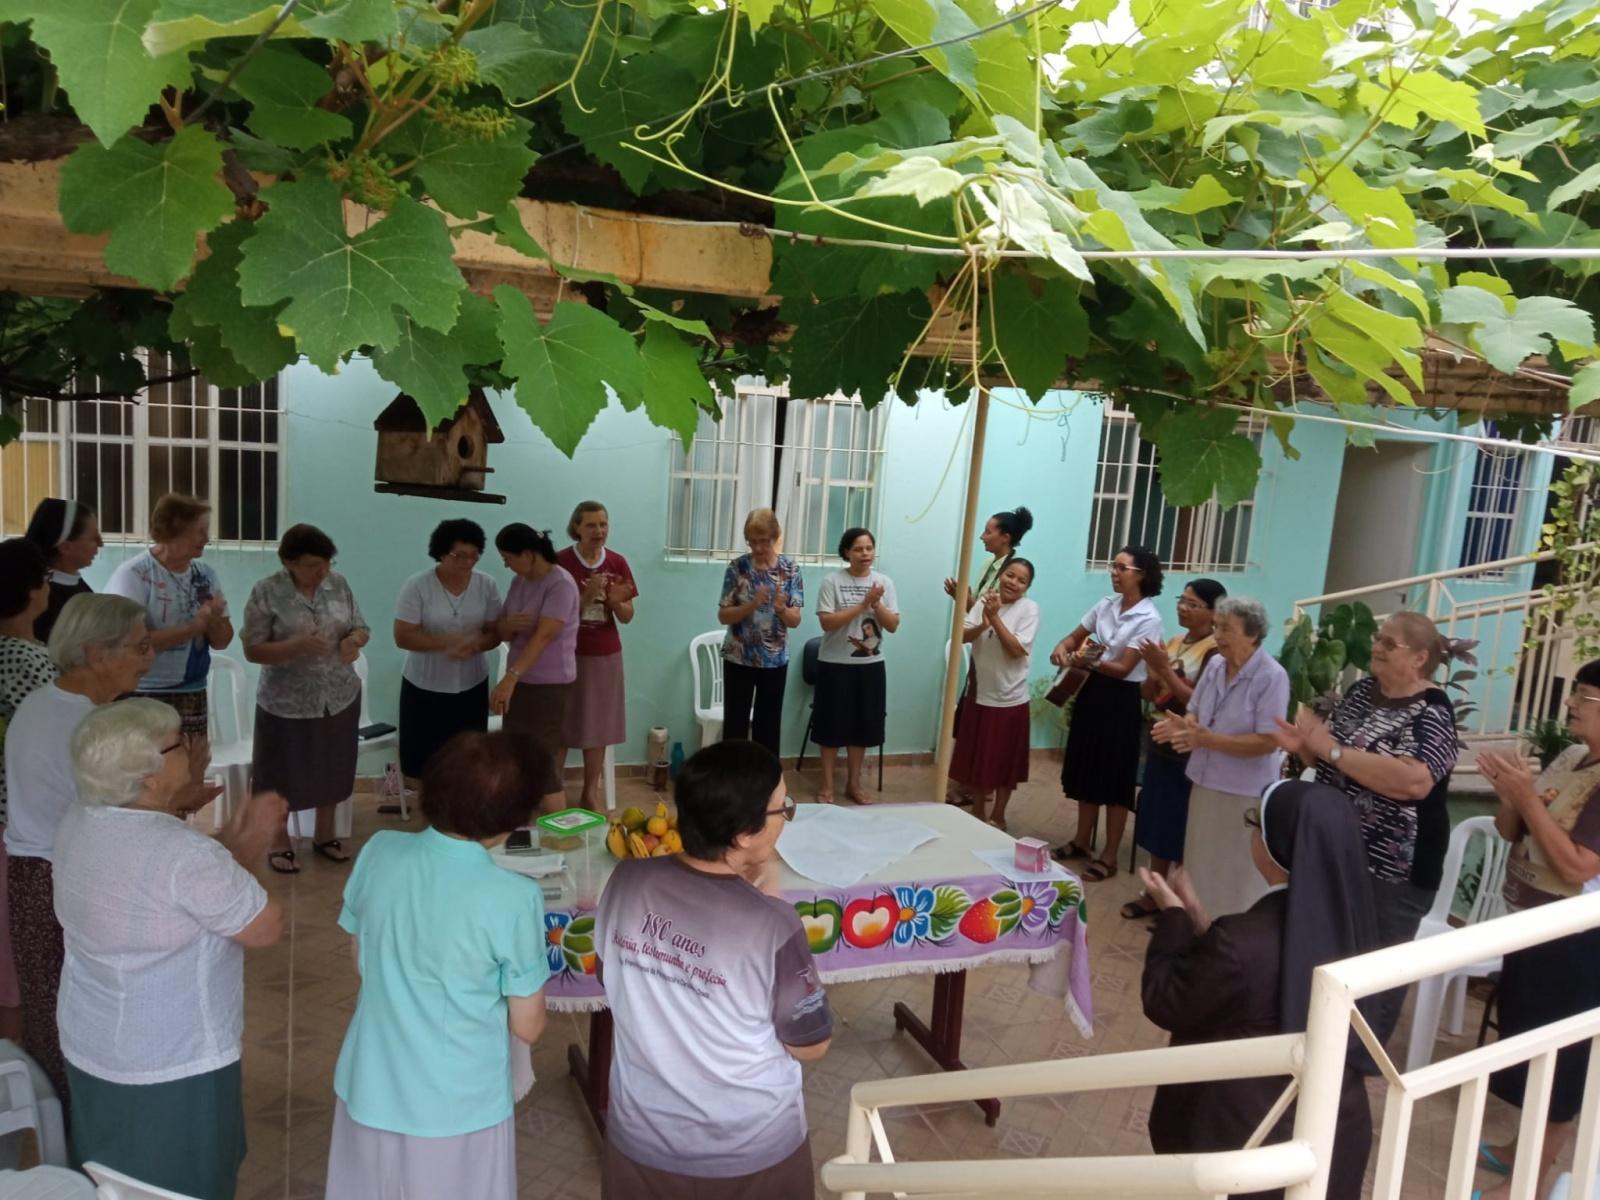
[[1315, 1062], [1524, 652]]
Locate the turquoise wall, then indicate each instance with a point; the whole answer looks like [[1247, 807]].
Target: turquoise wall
[[1043, 457]]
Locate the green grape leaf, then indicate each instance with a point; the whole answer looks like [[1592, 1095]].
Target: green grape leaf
[[918, 22], [1418, 94], [1204, 194], [682, 324], [562, 368], [249, 335], [851, 345], [95, 46], [1036, 324], [1585, 386], [517, 61], [178, 24], [207, 353], [463, 175], [675, 392], [154, 200], [1507, 335], [1581, 184], [619, 97], [283, 89], [343, 291], [430, 366], [1202, 454]]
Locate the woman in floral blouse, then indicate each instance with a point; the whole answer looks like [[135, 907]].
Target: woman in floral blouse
[[762, 595], [303, 627]]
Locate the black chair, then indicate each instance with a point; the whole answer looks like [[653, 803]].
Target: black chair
[[810, 657]]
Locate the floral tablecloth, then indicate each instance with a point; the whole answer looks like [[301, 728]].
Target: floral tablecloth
[[938, 909]]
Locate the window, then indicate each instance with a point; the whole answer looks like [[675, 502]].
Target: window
[[1494, 504], [814, 462], [1129, 508], [223, 444]]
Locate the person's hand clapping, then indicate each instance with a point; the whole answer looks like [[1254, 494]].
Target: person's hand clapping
[[950, 586], [312, 645], [349, 649], [1162, 731], [763, 596], [1511, 776], [256, 825], [1154, 655], [593, 588], [1186, 733], [874, 594], [463, 646], [1158, 889]]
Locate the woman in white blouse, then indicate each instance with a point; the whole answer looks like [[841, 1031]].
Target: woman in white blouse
[[156, 917], [1102, 760], [991, 752], [445, 617]]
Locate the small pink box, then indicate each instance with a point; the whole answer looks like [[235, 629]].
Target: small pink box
[[1032, 855]]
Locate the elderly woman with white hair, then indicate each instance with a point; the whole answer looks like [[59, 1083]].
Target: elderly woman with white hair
[[156, 918], [1227, 732], [101, 647]]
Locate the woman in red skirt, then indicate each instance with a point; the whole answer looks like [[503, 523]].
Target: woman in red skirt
[[991, 755]]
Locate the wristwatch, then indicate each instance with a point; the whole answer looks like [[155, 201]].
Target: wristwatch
[[1335, 753]]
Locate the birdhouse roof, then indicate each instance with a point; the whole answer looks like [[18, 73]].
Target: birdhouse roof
[[404, 415]]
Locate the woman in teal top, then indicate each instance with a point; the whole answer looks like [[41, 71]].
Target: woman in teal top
[[451, 953]]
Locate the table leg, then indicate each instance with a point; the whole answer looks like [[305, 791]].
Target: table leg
[[943, 1040], [593, 1072]]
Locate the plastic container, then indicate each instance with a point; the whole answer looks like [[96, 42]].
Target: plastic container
[[675, 764]]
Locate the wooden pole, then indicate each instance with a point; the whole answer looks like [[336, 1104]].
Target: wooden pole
[[958, 618]]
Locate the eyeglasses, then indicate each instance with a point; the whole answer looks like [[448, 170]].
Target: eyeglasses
[[142, 646], [1578, 697], [1121, 567], [1187, 603], [1384, 642], [169, 749], [1252, 818], [464, 555], [787, 809]]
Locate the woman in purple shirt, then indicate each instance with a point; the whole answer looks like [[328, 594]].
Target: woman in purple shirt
[[1228, 735], [540, 620]]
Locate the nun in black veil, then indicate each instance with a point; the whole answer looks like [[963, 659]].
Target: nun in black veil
[[1249, 975]]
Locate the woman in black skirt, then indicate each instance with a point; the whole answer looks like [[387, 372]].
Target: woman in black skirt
[[1102, 761], [1553, 824], [445, 617], [856, 608]]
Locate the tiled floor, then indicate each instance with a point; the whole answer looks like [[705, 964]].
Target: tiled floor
[[300, 994]]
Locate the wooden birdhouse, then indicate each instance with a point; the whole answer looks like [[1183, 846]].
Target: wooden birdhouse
[[449, 462]]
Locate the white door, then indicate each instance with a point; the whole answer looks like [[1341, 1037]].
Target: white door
[[1379, 514]]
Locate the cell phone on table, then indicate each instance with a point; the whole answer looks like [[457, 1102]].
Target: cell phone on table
[[520, 842]]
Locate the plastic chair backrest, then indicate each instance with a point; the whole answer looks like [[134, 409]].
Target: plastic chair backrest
[[708, 645], [1488, 902], [21, 1109], [809, 658], [966, 663], [361, 674], [228, 702], [114, 1185]]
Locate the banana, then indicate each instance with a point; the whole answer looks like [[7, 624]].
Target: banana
[[636, 846], [617, 841], [661, 810]]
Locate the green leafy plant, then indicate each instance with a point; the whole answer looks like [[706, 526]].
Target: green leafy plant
[[1316, 656], [933, 181], [1572, 532], [1546, 738]]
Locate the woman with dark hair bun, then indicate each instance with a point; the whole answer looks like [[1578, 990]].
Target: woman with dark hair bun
[[68, 535], [303, 627], [1102, 762], [1174, 669], [445, 617], [856, 607], [540, 620], [1002, 534]]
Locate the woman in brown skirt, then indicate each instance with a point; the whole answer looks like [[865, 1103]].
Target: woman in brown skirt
[[302, 626]]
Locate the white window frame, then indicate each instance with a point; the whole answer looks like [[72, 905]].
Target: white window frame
[[1506, 471], [137, 493], [1214, 544], [741, 463]]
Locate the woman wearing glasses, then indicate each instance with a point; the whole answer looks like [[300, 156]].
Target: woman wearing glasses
[[1102, 761], [1390, 746], [445, 618], [701, 944], [1553, 825]]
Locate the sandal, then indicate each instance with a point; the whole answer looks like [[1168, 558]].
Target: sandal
[[824, 797], [288, 857], [327, 850], [1134, 910], [1099, 869], [1069, 852], [859, 798], [1490, 1161]]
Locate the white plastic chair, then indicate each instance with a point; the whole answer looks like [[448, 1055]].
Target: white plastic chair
[[230, 725], [608, 772], [303, 823], [708, 708], [114, 1185], [28, 1101], [45, 1183], [1487, 904]]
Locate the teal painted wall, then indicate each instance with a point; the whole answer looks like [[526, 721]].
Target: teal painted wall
[[1043, 457]]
